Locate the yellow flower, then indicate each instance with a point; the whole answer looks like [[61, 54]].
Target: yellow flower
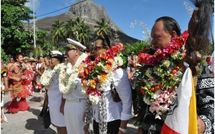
[[110, 60], [92, 84], [107, 67], [102, 77], [84, 83]]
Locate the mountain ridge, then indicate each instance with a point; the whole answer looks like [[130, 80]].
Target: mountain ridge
[[91, 13]]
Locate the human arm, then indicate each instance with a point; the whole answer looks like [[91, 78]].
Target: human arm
[[62, 105], [123, 88], [205, 101]]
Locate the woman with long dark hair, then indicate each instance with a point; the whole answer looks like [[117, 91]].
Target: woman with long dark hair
[[198, 42]]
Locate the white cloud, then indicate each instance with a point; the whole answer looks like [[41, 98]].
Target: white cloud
[[189, 8], [133, 24]]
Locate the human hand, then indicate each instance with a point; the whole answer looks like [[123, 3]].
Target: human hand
[[139, 131], [201, 126], [86, 129], [120, 132], [62, 108]]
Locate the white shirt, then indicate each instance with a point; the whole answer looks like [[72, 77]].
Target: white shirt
[[75, 93], [117, 110]]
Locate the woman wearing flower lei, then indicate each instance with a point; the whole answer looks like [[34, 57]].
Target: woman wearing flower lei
[[70, 86], [199, 28], [50, 79], [106, 84]]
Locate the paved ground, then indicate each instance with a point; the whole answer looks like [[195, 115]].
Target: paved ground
[[28, 122]]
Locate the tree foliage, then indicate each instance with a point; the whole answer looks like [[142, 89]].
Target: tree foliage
[[4, 56], [102, 28], [135, 48], [44, 43], [58, 33], [76, 29], [15, 38]]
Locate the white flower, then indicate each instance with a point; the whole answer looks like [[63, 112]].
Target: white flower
[[67, 84], [94, 99], [166, 63], [118, 60], [69, 68], [146, 100], [156, 94], [100, 64]]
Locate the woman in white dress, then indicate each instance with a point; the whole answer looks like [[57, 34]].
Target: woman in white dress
[[50, 79]]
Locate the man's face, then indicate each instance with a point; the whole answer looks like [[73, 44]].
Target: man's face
[[20, 58], [98, 44], [71, 54], [160, 37]]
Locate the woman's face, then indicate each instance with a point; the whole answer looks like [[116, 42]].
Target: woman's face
[[160, 37], [54, 62], [47, 61], [20, 58]]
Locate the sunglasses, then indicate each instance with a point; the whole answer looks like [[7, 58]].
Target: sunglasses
[[98, 47]]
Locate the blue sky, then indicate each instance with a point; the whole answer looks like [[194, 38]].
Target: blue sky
[[131, 16]]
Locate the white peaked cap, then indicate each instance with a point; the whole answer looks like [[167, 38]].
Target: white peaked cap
[[56, 52], [76, 43]]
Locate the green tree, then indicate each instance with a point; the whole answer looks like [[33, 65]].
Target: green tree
[[102, 28], [44, 43], [15, 38], [58, 33], [135, 48], [4, 57], [69, 27], [78, 30]]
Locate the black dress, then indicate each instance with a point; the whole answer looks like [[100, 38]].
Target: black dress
[[205, 99]]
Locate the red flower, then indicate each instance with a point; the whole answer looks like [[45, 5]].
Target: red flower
[[108, 57], [174, 45]]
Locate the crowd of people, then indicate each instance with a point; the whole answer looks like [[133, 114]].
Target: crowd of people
[[21, 78], [96, 87]]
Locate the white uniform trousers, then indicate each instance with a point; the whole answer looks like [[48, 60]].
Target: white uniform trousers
[[73, 114]]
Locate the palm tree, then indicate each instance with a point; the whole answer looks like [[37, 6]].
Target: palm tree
[[102, 28], [83, 33], [69, 28], [58, 32], [78, 30]]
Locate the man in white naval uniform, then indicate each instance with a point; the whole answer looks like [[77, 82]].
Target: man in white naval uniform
[[71, 87]]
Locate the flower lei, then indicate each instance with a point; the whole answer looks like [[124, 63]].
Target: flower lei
[[159, 75], [97, 75], [69, 75], [48, 74]]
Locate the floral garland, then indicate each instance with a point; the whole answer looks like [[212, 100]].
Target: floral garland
[[174, 45], [97, 75], [69, 75], [159, 75], [48, 74]]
